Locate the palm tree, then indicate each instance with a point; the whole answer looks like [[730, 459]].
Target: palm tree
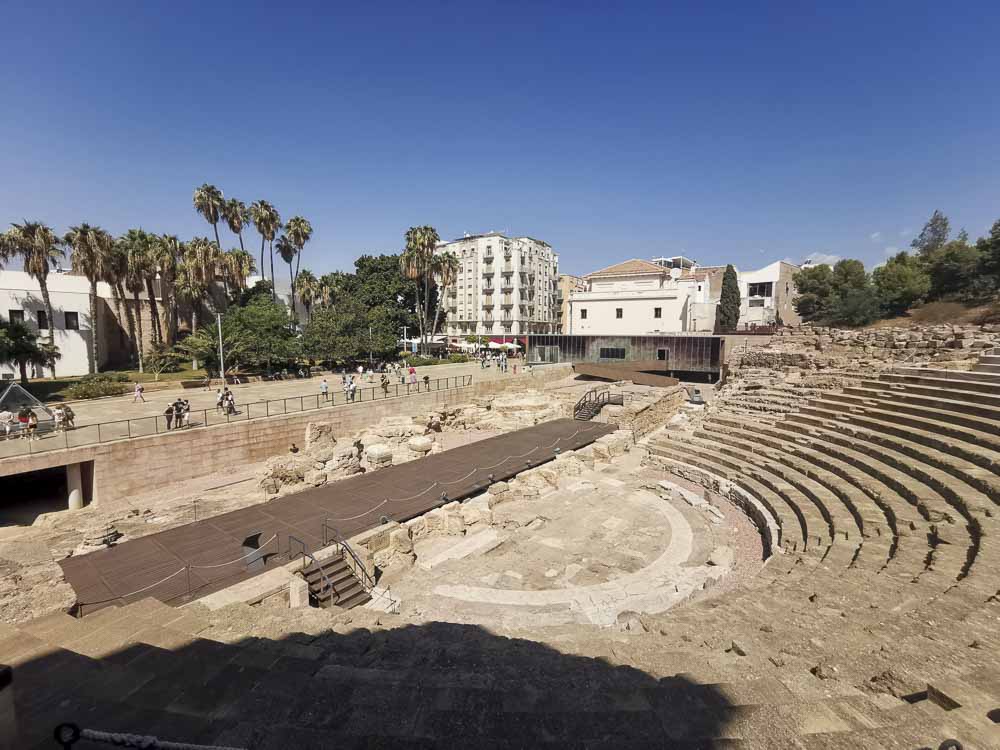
[[267, 220], [238, 265], [299, 231], [190, 289], [209, 202], [445, 268], [40, 251], [115, 272], [165, 252], [235, 213], [416, 262], [135, 244], [309, 290], [287, 252], [88, 259]]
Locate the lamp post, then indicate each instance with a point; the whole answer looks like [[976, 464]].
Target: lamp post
[[222, 362]]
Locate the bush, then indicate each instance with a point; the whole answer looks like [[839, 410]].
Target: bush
[[858, 307], [105, 377], [458, 358], [95, 387], [415, 360]]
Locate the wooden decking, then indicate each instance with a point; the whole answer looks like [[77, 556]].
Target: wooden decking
[[193, 560]]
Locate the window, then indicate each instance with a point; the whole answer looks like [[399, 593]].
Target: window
[[15, 316], [583, 314], [657, 312], [756, 302], [662, 354], [43, 320], [612, 353], [763, 289], [618, 313], [72, 321]]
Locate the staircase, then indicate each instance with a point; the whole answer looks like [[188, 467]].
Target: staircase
[[332, 582], [590, 405]]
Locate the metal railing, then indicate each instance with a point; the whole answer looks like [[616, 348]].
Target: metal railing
[[50, 439], [366, 579], [305, 553], [594, 400]]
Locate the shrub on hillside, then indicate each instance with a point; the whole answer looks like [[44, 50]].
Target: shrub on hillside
[[458, 358]]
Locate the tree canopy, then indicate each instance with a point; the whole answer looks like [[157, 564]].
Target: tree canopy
[[727, 314]]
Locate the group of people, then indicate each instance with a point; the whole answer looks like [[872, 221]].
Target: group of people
[[498, 360], [225, 401], [24, 425], [178, 414]]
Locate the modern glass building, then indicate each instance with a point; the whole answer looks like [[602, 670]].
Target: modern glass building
[[683, 356]]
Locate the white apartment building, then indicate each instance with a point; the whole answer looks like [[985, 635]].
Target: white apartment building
[[506, 286]]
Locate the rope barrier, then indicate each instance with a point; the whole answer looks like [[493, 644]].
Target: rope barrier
[[238, 559], [352, 518], [412, 497]]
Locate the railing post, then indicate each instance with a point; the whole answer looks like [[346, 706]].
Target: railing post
[[128, 427]]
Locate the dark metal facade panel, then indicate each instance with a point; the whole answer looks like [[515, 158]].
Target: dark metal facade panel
[[675, 353]]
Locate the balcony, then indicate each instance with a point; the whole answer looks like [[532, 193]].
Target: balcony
[[487, 304], [488, 290], [507, 304], [508, 268], [487, 272]]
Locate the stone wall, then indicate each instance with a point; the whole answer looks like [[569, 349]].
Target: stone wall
[[127, 467], [645, 414], [920, 343]]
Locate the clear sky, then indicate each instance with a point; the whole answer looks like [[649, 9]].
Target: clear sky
[[729, 131]]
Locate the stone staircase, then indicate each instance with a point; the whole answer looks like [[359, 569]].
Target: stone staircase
[[187, 674], [876, 623], [332, 582], [989, 361]]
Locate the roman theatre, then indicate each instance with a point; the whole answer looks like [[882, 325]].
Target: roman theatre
[[774, 541]]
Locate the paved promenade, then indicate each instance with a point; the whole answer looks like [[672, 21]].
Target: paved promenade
[[190, 561]]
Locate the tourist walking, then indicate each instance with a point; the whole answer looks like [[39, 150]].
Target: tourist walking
[[70, 416], [33, 426], [413, 375], [351, 389], [324, 388], [138, 393], [219, 398], [6, 423], [60, 418], [168, 416], [230, 403], [385, 385]]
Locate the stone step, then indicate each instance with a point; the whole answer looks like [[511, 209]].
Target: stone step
[[949, 375], [941, 418], [946, 383], [933, 400], [986, 367]]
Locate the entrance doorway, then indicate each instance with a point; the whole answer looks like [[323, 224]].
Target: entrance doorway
[[27, 496]]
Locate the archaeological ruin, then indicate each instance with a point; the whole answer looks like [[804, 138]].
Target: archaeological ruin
[[802, 555]]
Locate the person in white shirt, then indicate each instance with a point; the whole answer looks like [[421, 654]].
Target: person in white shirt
[[6, 423]]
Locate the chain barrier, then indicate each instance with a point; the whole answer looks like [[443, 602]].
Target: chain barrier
[[68, 735]]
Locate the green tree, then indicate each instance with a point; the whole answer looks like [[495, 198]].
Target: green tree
[[349, 332], [162, 358], [210, 203], [88, 259], [256, 335], [727, 314], [815, 291], [237, 217], [901, 282], [20, 346], [989, 252], [287, 252], [309, 290], [417, 263], [848, 275], [934, 234], [445, 269], [40, 251], [954, 268], [857, 307], [299, 232], [267, 221]]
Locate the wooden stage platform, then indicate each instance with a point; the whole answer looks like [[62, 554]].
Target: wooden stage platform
[[193, 560]]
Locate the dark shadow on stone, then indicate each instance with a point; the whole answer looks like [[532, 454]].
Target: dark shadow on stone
[[433, 685]]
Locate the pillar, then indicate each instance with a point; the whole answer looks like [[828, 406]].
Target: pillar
[[74, 486]]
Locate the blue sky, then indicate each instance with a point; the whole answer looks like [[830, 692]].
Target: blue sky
[[731, 131]]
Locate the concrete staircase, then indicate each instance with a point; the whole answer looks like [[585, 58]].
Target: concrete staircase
[[185, 675], [988, 362], [332, 582]]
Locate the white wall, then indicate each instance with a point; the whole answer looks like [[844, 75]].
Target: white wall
[[638, 312], [18, 291]]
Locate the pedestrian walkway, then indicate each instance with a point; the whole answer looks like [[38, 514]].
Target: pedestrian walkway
[[191, 561]]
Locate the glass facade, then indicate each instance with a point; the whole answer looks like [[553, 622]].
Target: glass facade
[[674, 353]]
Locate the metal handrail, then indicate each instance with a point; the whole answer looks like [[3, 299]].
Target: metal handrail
[[128, 429], [328, 585], [599, 397], [366, 579]]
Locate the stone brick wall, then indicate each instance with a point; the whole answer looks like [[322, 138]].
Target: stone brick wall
[[643, 415], [127, 467], [936, 342]]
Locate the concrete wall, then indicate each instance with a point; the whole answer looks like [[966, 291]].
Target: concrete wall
[[638, 312], [127, 467]]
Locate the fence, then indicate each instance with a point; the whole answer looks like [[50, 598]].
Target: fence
[[126, 429]]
